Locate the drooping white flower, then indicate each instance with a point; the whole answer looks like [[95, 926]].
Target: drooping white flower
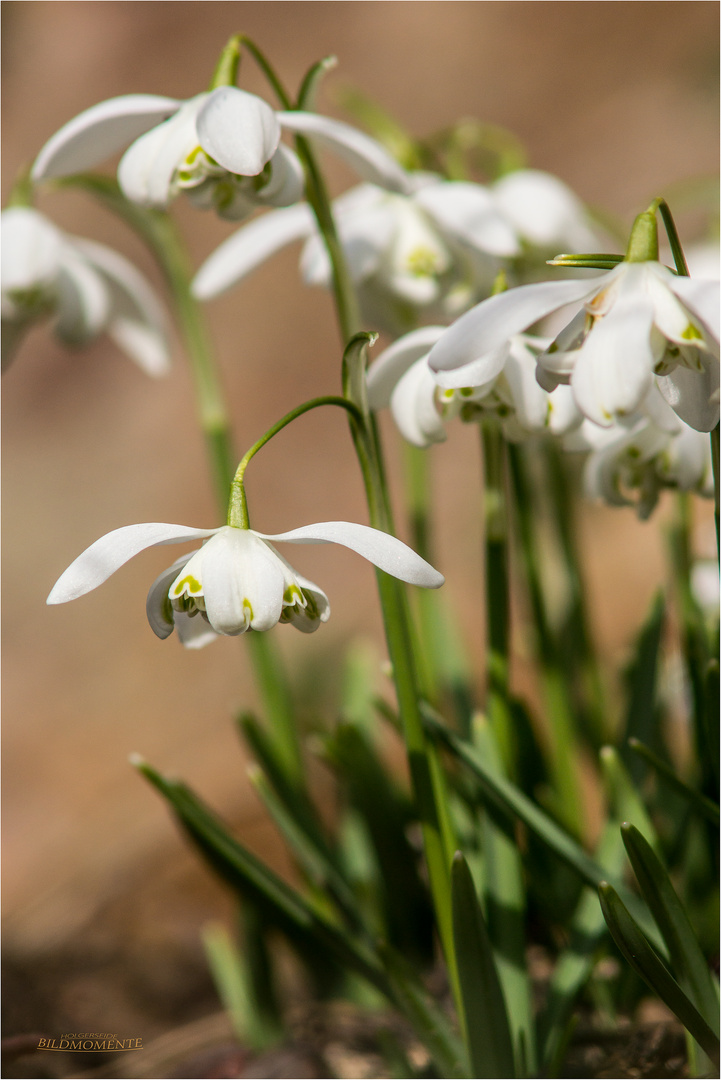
[[401, 378], [87, 288], [426, 253], [638, 320], [236, 581], [222, 147], [630, 463]]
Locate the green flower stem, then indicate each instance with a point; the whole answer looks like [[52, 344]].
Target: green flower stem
[[495, 513], [427, 778], [715, 466], [559, 708], [591, 683], [673, 238], [238, 505]]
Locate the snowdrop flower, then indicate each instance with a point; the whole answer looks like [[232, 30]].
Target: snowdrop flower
[[401, 378], [236, 581], [85, 287], [425, 253], [222, 147], [637, 320], [630, 463]]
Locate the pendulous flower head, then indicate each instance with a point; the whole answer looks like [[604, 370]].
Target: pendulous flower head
[[85, 287], [638, 322], [236, 581]]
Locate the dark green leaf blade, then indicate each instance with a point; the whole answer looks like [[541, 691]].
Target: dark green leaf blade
[[485, 1021], [645, 962]]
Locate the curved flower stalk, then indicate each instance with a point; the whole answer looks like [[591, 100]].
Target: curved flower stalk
[[221, 147], [236, 581], [637, 320], [401, 378], [632, 462], [87, 288]]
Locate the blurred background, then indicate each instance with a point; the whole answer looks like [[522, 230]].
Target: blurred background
[[102, 901]]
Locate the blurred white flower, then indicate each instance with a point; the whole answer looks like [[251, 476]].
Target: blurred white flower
[[544, 211], [637, 320], [236, 581], [222, 147], [630, 463], [85, 287], [401, 378]]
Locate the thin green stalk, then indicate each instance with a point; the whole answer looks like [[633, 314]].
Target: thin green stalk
[[715, 466], [426, 774], [495, 513], [559, 708]]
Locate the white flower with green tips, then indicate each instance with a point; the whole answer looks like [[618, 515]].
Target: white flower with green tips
[[426, 252], [638, 320], [84, 287], [222, 147], [401, 379], [236, 581], [630, 463]]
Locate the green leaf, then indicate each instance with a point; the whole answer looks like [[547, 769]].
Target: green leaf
[[256, 1026], [484, 1021], [430, 1024], [644, 961], [641, 682], [697, 799], [687, 960], [281, 905], [311, 82], [505, 908], [508, 797]]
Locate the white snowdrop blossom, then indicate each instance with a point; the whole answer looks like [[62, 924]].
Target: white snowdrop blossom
[[426, 253], [236, 581], [221, 147], [85, 287], [630, 463], [401, 378], [637, 321]]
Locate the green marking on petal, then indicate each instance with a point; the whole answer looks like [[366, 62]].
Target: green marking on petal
[[192, 583], [292, 595], [422, 262], [311, 606], [466, 391], [692, 333], [247, 606]]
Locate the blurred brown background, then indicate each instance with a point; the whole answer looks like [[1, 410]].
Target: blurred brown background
[[619, 99]]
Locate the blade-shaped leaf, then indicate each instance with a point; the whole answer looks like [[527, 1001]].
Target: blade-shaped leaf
[[646, 963], [485, 1021], [687, 960], [697, 799]]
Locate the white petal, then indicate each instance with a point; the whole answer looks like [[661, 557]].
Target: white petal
[[413, 406], [491, 323], [250, 246], [701, 297], [383, 550], [83, 299], [158, 608], [99, 132], [137, 323], [147, 168], [529, 400], [693, 395], [298, 615], [366, 156], [242, 582], [544, 210], [239, 130], [194, 632], [614, 367], [287, 181], [479, 372], [469, 213], [31, 247], [112, 551], [394, 361]]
